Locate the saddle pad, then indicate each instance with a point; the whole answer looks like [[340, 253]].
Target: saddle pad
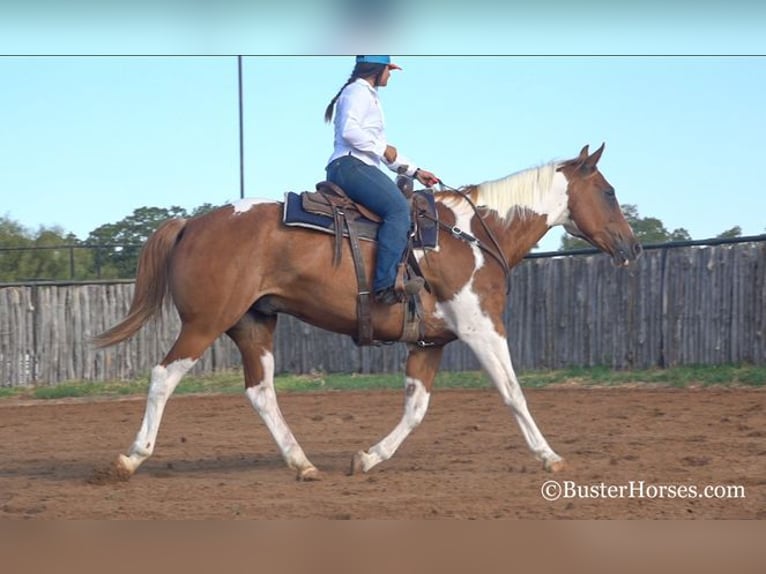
[[293, 215]]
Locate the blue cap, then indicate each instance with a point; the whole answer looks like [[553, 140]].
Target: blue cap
[[377, 60]]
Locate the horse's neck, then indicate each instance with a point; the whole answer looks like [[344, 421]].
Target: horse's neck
[[516, 237], [521, 208], [520, 236]]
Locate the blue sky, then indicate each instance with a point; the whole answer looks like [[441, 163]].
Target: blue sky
[[85, 140]]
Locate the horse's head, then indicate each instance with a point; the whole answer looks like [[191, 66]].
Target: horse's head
[[594, 213]]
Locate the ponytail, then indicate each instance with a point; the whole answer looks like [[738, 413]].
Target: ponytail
[[328, 112], [361, 70]]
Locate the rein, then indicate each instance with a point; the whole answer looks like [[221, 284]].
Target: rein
[[495, 250]]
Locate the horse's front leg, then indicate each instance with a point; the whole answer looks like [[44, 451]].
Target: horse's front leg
[[491, 348], [421, 369], [472, 321]]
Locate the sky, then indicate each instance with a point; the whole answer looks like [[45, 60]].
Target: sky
[[103, 113]]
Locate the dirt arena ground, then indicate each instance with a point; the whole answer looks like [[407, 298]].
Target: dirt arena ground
[[215, 458]]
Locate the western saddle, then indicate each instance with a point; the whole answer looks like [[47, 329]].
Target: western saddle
[[348, 216]]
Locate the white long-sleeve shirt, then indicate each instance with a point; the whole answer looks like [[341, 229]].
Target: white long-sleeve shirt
[[360, 127]]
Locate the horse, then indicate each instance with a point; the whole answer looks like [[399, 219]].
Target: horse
[[233, 270]]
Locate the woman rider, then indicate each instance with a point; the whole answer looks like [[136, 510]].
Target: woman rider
[[360, 148]]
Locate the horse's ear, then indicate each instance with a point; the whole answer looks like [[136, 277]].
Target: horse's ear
[[592, 160], [583, 154]]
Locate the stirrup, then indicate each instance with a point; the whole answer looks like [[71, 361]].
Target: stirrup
[[390, 295], [413, 286], [387, 296]]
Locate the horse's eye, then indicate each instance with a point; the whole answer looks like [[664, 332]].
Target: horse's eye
[[609, 192]]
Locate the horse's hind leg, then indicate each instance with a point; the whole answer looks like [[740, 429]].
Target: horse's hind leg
[[422, 366], [253, 335], [165, 377]]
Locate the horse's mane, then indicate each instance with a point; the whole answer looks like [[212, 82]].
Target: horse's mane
[[514, 195]]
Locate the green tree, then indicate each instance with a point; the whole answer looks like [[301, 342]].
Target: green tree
[[40, 255], [110, 252], [735, 231], [647, 229], [125, 239], [50, 260], [203, 209], [12, 233], [12, 236]]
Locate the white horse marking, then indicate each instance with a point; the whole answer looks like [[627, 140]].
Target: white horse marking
[[474, 327], [541, 190], [492, 351], [416, 399], [264, 400], [246, 204], [464, 214], [163, 382], [557, 201]]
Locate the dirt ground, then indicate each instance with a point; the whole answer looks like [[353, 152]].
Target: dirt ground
[[215, 458]]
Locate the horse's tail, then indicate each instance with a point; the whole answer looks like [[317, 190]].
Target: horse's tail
[[151, 283]]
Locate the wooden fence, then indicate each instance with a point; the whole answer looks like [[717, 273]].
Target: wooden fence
[[691, 305]]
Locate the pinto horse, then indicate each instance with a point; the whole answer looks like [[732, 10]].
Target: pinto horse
[[233, 270]]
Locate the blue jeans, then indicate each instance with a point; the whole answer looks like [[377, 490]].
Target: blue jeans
[[371, 187]]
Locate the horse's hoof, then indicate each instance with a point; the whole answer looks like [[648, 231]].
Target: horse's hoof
[[118, 471], [125, 465], [357, 464], [555, 465], [308, 475]]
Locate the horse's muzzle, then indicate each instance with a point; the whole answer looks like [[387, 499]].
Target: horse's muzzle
[[626, 252]]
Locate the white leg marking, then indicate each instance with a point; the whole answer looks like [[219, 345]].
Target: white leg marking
[[264, 400], [163, 382], [416, 400], [468, 321]]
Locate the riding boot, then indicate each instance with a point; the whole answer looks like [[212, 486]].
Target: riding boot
[[413, 286], [390, 296]]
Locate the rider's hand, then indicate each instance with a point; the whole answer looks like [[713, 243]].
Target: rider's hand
[[426, 177]]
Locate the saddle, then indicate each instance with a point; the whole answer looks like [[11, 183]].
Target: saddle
[[329, 209]]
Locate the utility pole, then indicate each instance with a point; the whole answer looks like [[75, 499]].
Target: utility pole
[[241, 134]]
